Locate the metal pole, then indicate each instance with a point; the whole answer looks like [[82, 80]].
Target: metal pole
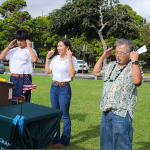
[[83, 62], [32, 44]]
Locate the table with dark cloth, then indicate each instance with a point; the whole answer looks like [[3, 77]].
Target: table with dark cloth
[[39, 127]]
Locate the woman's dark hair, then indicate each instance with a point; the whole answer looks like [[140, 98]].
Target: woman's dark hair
[[22, 34], [66, 42]]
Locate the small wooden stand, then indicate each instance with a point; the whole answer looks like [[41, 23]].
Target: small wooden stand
[[6, 93]]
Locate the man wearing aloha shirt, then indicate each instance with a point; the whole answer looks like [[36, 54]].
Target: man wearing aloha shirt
[[119, 95]]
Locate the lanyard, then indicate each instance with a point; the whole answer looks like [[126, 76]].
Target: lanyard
[[111, 80]]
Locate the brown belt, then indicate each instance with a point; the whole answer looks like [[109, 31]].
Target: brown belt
[[20, 75], [56, 83]]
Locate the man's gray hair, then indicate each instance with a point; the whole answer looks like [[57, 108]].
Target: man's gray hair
[[128, 43]]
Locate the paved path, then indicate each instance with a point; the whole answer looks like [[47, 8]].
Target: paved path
[[78, 75]]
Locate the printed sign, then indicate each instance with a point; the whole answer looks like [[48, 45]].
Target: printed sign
[[142, 50]]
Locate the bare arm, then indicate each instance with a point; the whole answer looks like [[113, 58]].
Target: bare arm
[[32, 54], [47, 69], [136, 73], [4, 52], [98, 65], [72, 71]]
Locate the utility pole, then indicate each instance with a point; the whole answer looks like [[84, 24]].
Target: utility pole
[[84, 50], [32, 45]]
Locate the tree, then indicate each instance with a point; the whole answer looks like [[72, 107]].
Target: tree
[[145, 34], [78, 15], [77, 46], [44, 41], [10, 6], [124, 23], [88, 16], [13, 20], [94, 48]]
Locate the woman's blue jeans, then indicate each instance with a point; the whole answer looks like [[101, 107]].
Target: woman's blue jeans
[[60, 97], [116, 132]]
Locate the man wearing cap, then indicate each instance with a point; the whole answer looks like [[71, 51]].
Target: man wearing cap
[[20, 61], [119, 95]]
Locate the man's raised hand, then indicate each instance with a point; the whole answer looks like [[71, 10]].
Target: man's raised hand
[[12, 44], [107, 53]]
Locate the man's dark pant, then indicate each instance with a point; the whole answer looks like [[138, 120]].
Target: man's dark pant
[[18, 87]]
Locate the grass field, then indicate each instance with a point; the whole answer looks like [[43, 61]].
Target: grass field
[[86, 115]]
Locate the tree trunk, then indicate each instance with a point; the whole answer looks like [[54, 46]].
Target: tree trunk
[[103, 43]]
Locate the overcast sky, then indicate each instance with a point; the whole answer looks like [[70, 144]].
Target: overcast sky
[[43, 7]]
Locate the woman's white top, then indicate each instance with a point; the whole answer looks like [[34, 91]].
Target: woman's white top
[[20, 60], [60, 68]]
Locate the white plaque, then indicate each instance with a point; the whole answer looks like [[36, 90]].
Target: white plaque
[[10, 94]]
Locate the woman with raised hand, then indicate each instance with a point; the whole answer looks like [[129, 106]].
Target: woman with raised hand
[[63, 68]]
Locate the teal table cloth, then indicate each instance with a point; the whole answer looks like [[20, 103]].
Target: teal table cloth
[[39, 127]]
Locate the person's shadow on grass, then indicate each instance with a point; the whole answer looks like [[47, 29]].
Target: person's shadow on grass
[[145, 145], [82, 137], [80, 117]]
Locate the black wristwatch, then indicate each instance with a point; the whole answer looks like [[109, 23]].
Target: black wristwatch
[[135, 62]]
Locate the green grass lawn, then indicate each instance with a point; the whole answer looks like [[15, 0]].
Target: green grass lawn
[[146, 74], [86, 115]]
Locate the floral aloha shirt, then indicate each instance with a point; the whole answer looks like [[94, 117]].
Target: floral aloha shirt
[[120, 95]]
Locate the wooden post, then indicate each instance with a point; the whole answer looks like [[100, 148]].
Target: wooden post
[[95, 77]]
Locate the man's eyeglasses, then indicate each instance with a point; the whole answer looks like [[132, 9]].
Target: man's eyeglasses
[[120, 53]]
